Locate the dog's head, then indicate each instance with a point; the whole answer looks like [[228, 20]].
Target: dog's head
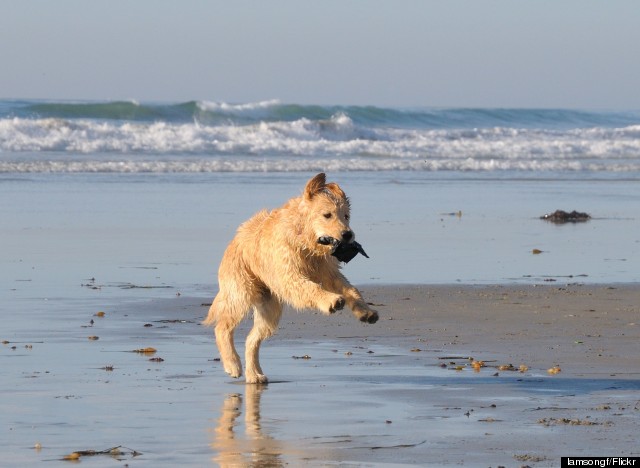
[[327, 215]]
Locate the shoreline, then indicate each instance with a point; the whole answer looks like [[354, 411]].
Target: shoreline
[[589, 328]]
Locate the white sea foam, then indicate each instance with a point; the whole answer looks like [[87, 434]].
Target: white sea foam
[[226, 107]]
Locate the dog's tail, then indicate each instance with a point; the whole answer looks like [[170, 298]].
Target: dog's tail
[[211, 317], [227, 309]]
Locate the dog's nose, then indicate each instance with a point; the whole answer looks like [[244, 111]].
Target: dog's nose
[[347, 235]]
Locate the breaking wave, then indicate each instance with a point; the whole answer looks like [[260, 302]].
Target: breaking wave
[[201, 136]]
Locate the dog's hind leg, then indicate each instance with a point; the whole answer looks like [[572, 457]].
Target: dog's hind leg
[[227, 314], [266, 315]]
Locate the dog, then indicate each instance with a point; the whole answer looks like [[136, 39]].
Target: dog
[[285, 256]]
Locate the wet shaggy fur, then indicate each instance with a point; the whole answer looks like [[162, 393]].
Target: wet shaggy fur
[[276, 258]]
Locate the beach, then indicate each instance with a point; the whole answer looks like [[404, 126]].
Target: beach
[[504, 339], [401, 392], [97, 268]]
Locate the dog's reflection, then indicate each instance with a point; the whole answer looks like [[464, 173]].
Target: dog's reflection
[[254, 447]]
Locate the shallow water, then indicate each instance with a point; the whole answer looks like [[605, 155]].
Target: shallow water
[[61, 230]]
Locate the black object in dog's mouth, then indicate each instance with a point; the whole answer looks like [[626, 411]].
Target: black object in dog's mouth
[[343, 251]]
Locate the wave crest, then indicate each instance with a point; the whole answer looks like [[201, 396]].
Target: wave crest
[[273, 110]]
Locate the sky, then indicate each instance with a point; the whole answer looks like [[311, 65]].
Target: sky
[[402, 53]]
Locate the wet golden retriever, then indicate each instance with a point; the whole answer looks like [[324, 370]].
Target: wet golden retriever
[[287, 255]]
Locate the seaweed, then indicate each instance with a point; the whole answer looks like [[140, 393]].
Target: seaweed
[[117, 452], [561, 217]]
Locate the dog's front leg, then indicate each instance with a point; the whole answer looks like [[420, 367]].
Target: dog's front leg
[[303, 293], [330, 303], [355, 301]]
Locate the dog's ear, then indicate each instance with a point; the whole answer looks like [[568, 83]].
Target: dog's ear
[[335, 190], [315, 186]]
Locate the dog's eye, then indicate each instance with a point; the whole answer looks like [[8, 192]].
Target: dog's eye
[[327, 215]]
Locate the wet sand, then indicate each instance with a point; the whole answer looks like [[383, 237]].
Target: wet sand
[[400, 392]]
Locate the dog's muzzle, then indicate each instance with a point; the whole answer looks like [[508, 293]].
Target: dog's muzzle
[[343, 251], [327, 240]]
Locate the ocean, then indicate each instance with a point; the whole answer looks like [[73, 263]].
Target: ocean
[[114, 217], [269, 136], [151, 193]]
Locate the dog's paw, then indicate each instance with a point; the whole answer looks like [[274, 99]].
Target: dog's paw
[[257, 379], [234, 369], [331, 303], [369, 317], [338, 304], [366, 315]]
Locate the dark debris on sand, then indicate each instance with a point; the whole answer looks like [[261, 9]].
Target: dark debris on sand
[[561, 216]]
